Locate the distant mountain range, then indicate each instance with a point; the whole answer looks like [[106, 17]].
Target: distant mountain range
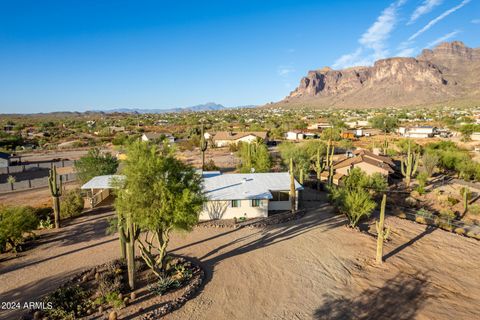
[[447, 74], [209, 106]]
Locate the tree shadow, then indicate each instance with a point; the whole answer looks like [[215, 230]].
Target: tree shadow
[[428, 229], [400, 298]]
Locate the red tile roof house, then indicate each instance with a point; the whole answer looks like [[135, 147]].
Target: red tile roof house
[[367, 161], [225, 138]]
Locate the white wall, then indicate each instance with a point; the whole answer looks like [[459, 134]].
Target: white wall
[[224, 210]]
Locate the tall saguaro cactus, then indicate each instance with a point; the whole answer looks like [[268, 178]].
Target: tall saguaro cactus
[[56, 192], [319, 167], [382, 233], [292, 187], [409, 165], [329, 163], [129, 233], [203, 147], [465, 194]]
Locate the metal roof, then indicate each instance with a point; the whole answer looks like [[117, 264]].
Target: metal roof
[[217, 186], [237, 186], [102, 182]]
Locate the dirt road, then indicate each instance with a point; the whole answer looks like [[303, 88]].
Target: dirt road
[[314, 267]]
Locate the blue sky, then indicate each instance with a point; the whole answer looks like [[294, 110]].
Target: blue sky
[[83, 55]]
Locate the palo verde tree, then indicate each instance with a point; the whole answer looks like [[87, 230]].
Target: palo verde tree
[[409, 165], [382, 233], [159, 194], [95, 164], [55, 185]]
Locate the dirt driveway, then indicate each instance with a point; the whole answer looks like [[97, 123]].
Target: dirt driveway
[[312, 268]]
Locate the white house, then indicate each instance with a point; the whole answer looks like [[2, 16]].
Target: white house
[[235, 195], [295, 135], [249, 195], [155, 136], [417, 132], [225, 138]]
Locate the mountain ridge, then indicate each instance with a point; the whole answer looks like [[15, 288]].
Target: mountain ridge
[[448, 72]]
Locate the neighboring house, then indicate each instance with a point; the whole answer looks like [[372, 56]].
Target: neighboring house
[[248, 195], [4, 160], [418, 132], [156, 136], [357, 124], [295, 135], [225, 138], [349, 134], [475, 136], [236, 195], [319, 126], [367, 161]]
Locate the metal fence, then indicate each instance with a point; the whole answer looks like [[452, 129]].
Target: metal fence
[[33, 183], [32, 166]]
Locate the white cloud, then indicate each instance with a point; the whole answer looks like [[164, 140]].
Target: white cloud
[[443, 38], [284, 71], [424, 8], [373, 40], [475, 21], [438, 19]]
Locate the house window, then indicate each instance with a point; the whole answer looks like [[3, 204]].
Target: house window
[[256, 203], [235, 204], [280, 195]]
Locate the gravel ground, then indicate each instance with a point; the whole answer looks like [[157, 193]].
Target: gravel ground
[[314, 267]]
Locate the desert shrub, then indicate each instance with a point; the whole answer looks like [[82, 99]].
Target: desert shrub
[[355, 204], [447, 214], [14, 222], [423, 213], [474, 209], [110, 280], [45, 224], [233, 147], [452, 201], [163, 284], [422, 182], [72, 204], [460, 231], [69, 302], [420, 220], [114, 299], [210, 166]]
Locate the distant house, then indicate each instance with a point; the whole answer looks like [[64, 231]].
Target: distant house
[[418, 132], [157, 136], [225, 138], [357, 124], [250, 195], [319, 126], [4, 160], [475, 136], [295, 135], [367, 161]]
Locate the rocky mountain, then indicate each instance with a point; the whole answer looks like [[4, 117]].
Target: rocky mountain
[[209, 106], [450, 72]]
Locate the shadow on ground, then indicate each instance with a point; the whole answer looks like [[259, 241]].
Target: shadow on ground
[[400, 298]]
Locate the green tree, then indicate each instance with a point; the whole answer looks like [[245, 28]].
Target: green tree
[[254, 155], [159, 194], [14, 223], [95, 164], [72, 204]]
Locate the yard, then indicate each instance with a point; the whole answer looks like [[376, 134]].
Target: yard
[[314, 267]]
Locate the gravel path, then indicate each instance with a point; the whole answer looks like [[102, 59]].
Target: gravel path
[[310, 268]]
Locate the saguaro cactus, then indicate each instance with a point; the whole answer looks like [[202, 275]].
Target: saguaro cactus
[[409, 165], [465, 194], [302, 176], [203, 147], [292, 187], [56, 192], [129, 233], [382, 233], [330, 152], [319, 167]]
